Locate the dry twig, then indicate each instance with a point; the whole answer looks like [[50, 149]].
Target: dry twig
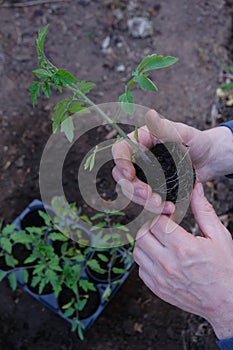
[[31, 3]]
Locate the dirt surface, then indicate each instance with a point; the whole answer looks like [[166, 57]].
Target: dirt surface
[[199, 33]]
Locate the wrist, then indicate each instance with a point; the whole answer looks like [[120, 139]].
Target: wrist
[[221, 151]]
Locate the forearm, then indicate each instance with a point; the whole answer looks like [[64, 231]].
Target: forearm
[[221, 151]]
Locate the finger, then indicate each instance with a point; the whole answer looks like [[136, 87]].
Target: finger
[[122, 153], [141, 193], [169, 233], [166, 130], [205, 214]]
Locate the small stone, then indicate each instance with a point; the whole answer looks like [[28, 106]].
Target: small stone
[[105, 43], [140, 27], [120, 68], [19, 162]]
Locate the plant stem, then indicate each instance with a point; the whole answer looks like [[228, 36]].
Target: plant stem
[[74, 88]]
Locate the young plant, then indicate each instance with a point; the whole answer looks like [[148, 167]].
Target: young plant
[[56, 263], [51, 76]]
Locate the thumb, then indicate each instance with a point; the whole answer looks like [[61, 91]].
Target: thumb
[[168, 131], [204, 213], [163, 129]]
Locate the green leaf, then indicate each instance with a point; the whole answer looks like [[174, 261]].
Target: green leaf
[[136, 133], [154, 61], [80, 332], [64, 78], [25, 276], [95, 266], [86, 285], [2, 275], [8, 229], [118, 270], [12, 280], [126, 102], [68, 305], [90, 161], [31, 258], [145, 83], [10, 261], [86, 87], [81, 304], [57, 236], [41, 38], [107, 293], [60, 113], [74, 325], [130, 238], [42, 73], [98, 216], [35, 280], [67, 127], [69, 312], [103, 257], [227, 87], [6, 245], [46, 89], [76, 107], [40, 46], [35, 91]]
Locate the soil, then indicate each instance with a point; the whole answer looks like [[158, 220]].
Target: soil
[[199, 33]]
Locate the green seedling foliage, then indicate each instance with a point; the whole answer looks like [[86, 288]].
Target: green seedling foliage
[[79, 102]]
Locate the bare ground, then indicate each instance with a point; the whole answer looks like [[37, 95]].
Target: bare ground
[[199, 33]]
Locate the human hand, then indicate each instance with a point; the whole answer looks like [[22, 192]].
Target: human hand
[[192, 273], [211, 153]]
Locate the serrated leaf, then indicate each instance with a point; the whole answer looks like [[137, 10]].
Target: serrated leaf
[[154, 61], [126, 102], [41, 38], [12, 280], [6, 245], [2, 275], [35, 91], [69, 312], [42, 73], [31, 259], [86, 285], [46, 89], [25, 276], [67, 127], [76, 107], [145, 83], [81, 304], [86, 87], [95, 266], [10, 261], [64, 78], [60, 112], [40, 45]]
